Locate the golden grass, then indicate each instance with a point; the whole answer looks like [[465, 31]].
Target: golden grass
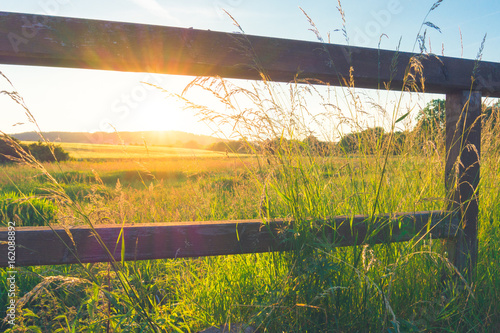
[[107, 151]]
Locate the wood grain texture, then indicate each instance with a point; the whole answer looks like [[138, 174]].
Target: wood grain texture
[[38, 40], [462, 172], [44, 246]]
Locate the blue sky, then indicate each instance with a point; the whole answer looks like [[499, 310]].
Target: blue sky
[[80, 100]]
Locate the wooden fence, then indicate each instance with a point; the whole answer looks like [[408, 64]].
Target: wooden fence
[[38, 40]]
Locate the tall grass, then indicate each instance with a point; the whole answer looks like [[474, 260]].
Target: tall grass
[[316, 287]]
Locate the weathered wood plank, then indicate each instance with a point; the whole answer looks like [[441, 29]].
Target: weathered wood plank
[[44, 246], [27, 39], [462, 171]]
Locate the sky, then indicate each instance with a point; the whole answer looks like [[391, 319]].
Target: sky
[[92, 100]]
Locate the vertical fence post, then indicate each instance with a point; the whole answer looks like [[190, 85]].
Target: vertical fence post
[[463, 140]]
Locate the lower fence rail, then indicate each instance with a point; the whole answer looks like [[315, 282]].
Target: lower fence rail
[[56, 245]]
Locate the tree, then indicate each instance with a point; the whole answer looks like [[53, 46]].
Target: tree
[[192, 144], [366, 141], [431, 124], [432, 117], [317, 147], [491, 116], [40, 151], [7, 148], [232, 146], [46, 152]]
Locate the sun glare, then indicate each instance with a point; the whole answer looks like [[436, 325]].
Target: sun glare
[[159, 115]]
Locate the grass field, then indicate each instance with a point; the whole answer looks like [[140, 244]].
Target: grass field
[[319, 288], [105, 151]]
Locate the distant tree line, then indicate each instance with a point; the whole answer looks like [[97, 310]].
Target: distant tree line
[[41, 151], [367, 141], [272, 146], [372, 140], [152, 138], [430, 130], [232, 146], [431, 119]]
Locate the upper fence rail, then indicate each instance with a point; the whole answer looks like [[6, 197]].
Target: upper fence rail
[[39, 40]]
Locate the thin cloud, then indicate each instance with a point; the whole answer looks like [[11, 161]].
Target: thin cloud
[[155, 8], [472, 20]]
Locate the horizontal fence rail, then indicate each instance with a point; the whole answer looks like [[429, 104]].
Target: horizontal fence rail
[[57, 245], [27, 39]]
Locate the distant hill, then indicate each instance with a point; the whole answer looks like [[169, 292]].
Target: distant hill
[[153, 138]]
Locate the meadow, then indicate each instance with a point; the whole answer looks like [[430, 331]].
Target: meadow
[[316, 287], [86, 151]]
